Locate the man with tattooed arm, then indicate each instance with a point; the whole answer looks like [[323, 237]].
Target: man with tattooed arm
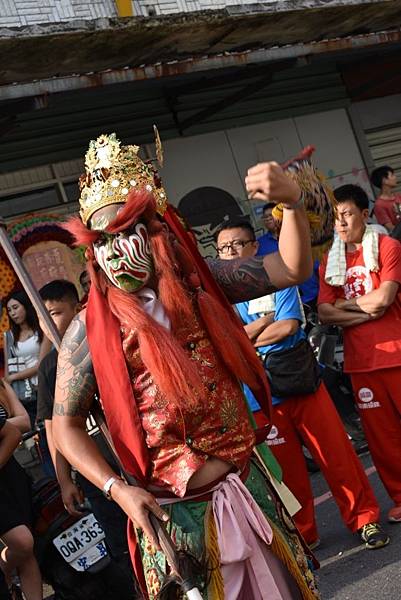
[[159, 345]]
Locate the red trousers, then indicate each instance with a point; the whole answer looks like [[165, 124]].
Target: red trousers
[[378, 397], [314, 421]]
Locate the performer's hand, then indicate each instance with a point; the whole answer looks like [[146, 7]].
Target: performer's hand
[[71, 496], [137, 503], [268, 182]]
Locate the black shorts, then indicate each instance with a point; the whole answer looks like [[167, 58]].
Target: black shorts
[[15, 497]]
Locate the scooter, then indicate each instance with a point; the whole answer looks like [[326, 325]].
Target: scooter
[[72, 551]]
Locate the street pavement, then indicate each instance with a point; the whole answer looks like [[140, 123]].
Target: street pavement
[[348, 570]]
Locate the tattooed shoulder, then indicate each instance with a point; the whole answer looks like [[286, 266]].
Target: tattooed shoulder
[[242, 279], [76, 384]]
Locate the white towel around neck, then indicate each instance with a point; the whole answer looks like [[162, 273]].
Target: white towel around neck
[[336, 261]]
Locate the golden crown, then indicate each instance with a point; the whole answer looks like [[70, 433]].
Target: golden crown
[[112, 171]]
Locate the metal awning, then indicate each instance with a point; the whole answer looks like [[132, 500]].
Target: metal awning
[[169, 45], [226, 60], [63, 84]]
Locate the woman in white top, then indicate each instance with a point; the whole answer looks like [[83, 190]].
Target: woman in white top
[[26, 347]]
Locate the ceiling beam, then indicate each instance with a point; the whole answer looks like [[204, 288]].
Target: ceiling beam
[[23, 105], [9, 111], [7, 125], [235, 97], [229, 100], [366, 80], [233, 75]]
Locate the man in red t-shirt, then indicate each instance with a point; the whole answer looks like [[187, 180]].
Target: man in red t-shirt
[[387, 208], [367, 304]]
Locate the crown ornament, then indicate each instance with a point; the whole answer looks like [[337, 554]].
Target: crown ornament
[[112, 171]]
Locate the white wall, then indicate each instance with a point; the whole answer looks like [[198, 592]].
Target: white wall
[[164, 7], [17, 13], [221, 159], [379, 112], [202, 160], [337, 153]]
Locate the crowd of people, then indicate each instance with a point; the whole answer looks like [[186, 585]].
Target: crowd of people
[[226, 475]]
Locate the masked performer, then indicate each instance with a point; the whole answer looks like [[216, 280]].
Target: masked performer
[[160, 344]]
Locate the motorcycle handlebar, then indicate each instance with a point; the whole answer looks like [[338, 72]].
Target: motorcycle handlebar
[[30, 434]]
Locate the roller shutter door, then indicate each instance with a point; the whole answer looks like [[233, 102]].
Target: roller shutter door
[[385, 147]]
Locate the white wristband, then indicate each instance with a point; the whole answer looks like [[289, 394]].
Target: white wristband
[[107, 487]]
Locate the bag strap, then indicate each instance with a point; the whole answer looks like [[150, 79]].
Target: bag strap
[[10, 344], [285, 351]]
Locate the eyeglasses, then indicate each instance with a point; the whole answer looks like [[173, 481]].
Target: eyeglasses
[[234, 245]]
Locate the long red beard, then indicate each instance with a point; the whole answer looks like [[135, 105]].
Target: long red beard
[[169, 365], [171, 369]]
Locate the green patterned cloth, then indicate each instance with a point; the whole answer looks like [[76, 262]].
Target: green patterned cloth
[[187, 529]]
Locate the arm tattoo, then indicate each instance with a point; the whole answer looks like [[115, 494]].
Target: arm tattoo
[[76, 384], [242, 279]]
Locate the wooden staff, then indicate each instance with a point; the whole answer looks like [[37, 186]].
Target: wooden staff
[[166, 543], [28, 284]]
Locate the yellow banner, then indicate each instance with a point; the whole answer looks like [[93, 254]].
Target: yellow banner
[[124, 8]]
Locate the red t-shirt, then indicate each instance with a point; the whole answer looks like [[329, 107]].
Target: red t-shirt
[[385, 210], [375, 344]]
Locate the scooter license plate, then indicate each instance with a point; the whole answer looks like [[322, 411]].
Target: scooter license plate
[[82, 545]]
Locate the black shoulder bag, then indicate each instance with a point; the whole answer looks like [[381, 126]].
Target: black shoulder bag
[[293, 371]]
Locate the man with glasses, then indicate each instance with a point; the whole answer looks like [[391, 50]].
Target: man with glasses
[[237, 242]]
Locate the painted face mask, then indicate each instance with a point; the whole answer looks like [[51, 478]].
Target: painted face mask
[[126, 258]]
